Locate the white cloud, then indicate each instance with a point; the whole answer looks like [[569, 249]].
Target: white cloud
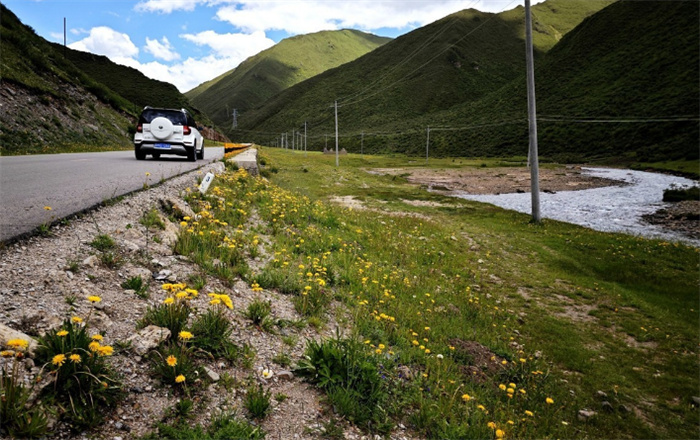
[[162, 49], [106, 41], [167, 6], [238, 46]]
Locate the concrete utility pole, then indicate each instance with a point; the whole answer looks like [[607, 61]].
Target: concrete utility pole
[[427, 145], [235, 118], [304, 137], [293, 136], [362, 144], [532, 118], [336, 133], [64, 37]]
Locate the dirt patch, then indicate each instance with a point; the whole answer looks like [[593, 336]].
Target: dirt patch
[[480, 363], [498, 180]]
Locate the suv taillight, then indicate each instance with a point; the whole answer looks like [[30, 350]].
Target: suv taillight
[[139, 128], [186, 129]]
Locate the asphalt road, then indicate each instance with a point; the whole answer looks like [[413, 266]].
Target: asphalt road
[[71, 183]]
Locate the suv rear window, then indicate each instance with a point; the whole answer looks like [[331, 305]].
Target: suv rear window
[[176, 117]]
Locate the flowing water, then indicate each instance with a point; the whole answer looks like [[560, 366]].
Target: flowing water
[[611, 209]]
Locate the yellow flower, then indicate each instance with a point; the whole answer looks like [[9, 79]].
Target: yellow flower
[[481, 407], [180, 379], [500, 433], [62, 333], [466, 397], [105, 350], [76, 319], [47, 208], [94, 299], [171, 360], [7, 353], [491, 425], [549, 400], [511, 385], [59, 359], [75, 358], [181, 295], [226, 300], [97, 337], [169, 300], [18, 343], [94, 346], [185, 335], [529, 413], [502, 387], [382, 346]]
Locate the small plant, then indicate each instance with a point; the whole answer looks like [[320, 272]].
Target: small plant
[[212, 331], [282, 359], [103, 242], [173, 363], [183, 408], [73, 266], [84, 383], [228, 381], [137, 285], [258, 311], [152, 220], [14, 415], [173, 312], [70, 300], [111, 260], [197, 281], [289, 340], [281, 397], [257, 402]]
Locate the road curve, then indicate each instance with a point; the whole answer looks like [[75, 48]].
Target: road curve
[[71, 183]]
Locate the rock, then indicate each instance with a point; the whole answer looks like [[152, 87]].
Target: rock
[[179, 208], [284, 374], [7, 333], [607, 406], [100, 320], [213, 375], [91, 261], [163, 275], [601, 394], [696, 400], [585, 414], [170, 235], [147, 339]]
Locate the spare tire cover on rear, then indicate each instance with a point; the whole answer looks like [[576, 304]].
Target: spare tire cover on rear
[[161, 128]]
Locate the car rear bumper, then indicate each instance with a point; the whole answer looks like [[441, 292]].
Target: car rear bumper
[[178, 149]]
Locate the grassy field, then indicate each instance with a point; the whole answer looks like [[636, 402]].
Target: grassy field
[[467, 321]]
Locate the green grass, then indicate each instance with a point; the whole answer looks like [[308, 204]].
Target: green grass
[[557, 310]]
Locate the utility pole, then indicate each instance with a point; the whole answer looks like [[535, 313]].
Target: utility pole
[[304, 138], [427, 145], [235, 119], [64, 37], [532, 118], [336, 133], [293, 136], [362, 144]]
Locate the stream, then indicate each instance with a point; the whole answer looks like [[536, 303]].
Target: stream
[[610, 209]]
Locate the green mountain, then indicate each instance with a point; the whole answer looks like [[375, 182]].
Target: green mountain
[[57, 99], [287, 63], [459, 59]]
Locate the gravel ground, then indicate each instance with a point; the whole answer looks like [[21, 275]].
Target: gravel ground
[[35, 283]]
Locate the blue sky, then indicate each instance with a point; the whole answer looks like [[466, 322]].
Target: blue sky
[[187, 42]]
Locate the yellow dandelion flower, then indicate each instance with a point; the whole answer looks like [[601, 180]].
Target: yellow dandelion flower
[[215, 302], [59, 359], [169, 300], [491, 425], [481, 407], [185, 335], [529, 413], [18, 343], [62, 333], [500, 433], [502, 387], [75, 358], [94, 299], [94, 346], [76, 320], [511, 385], [180, 379], [7, 353], [105, 350], [97, 337], [466, 397], [47, 208], [171, 360], [549, 400]]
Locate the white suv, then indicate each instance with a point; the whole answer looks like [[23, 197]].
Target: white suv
[[167, 131]]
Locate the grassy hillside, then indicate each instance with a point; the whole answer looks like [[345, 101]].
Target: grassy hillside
[[287, 63], [460, 58], [57, 100], [633, 61]]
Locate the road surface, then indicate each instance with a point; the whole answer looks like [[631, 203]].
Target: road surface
[[71, 183]]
